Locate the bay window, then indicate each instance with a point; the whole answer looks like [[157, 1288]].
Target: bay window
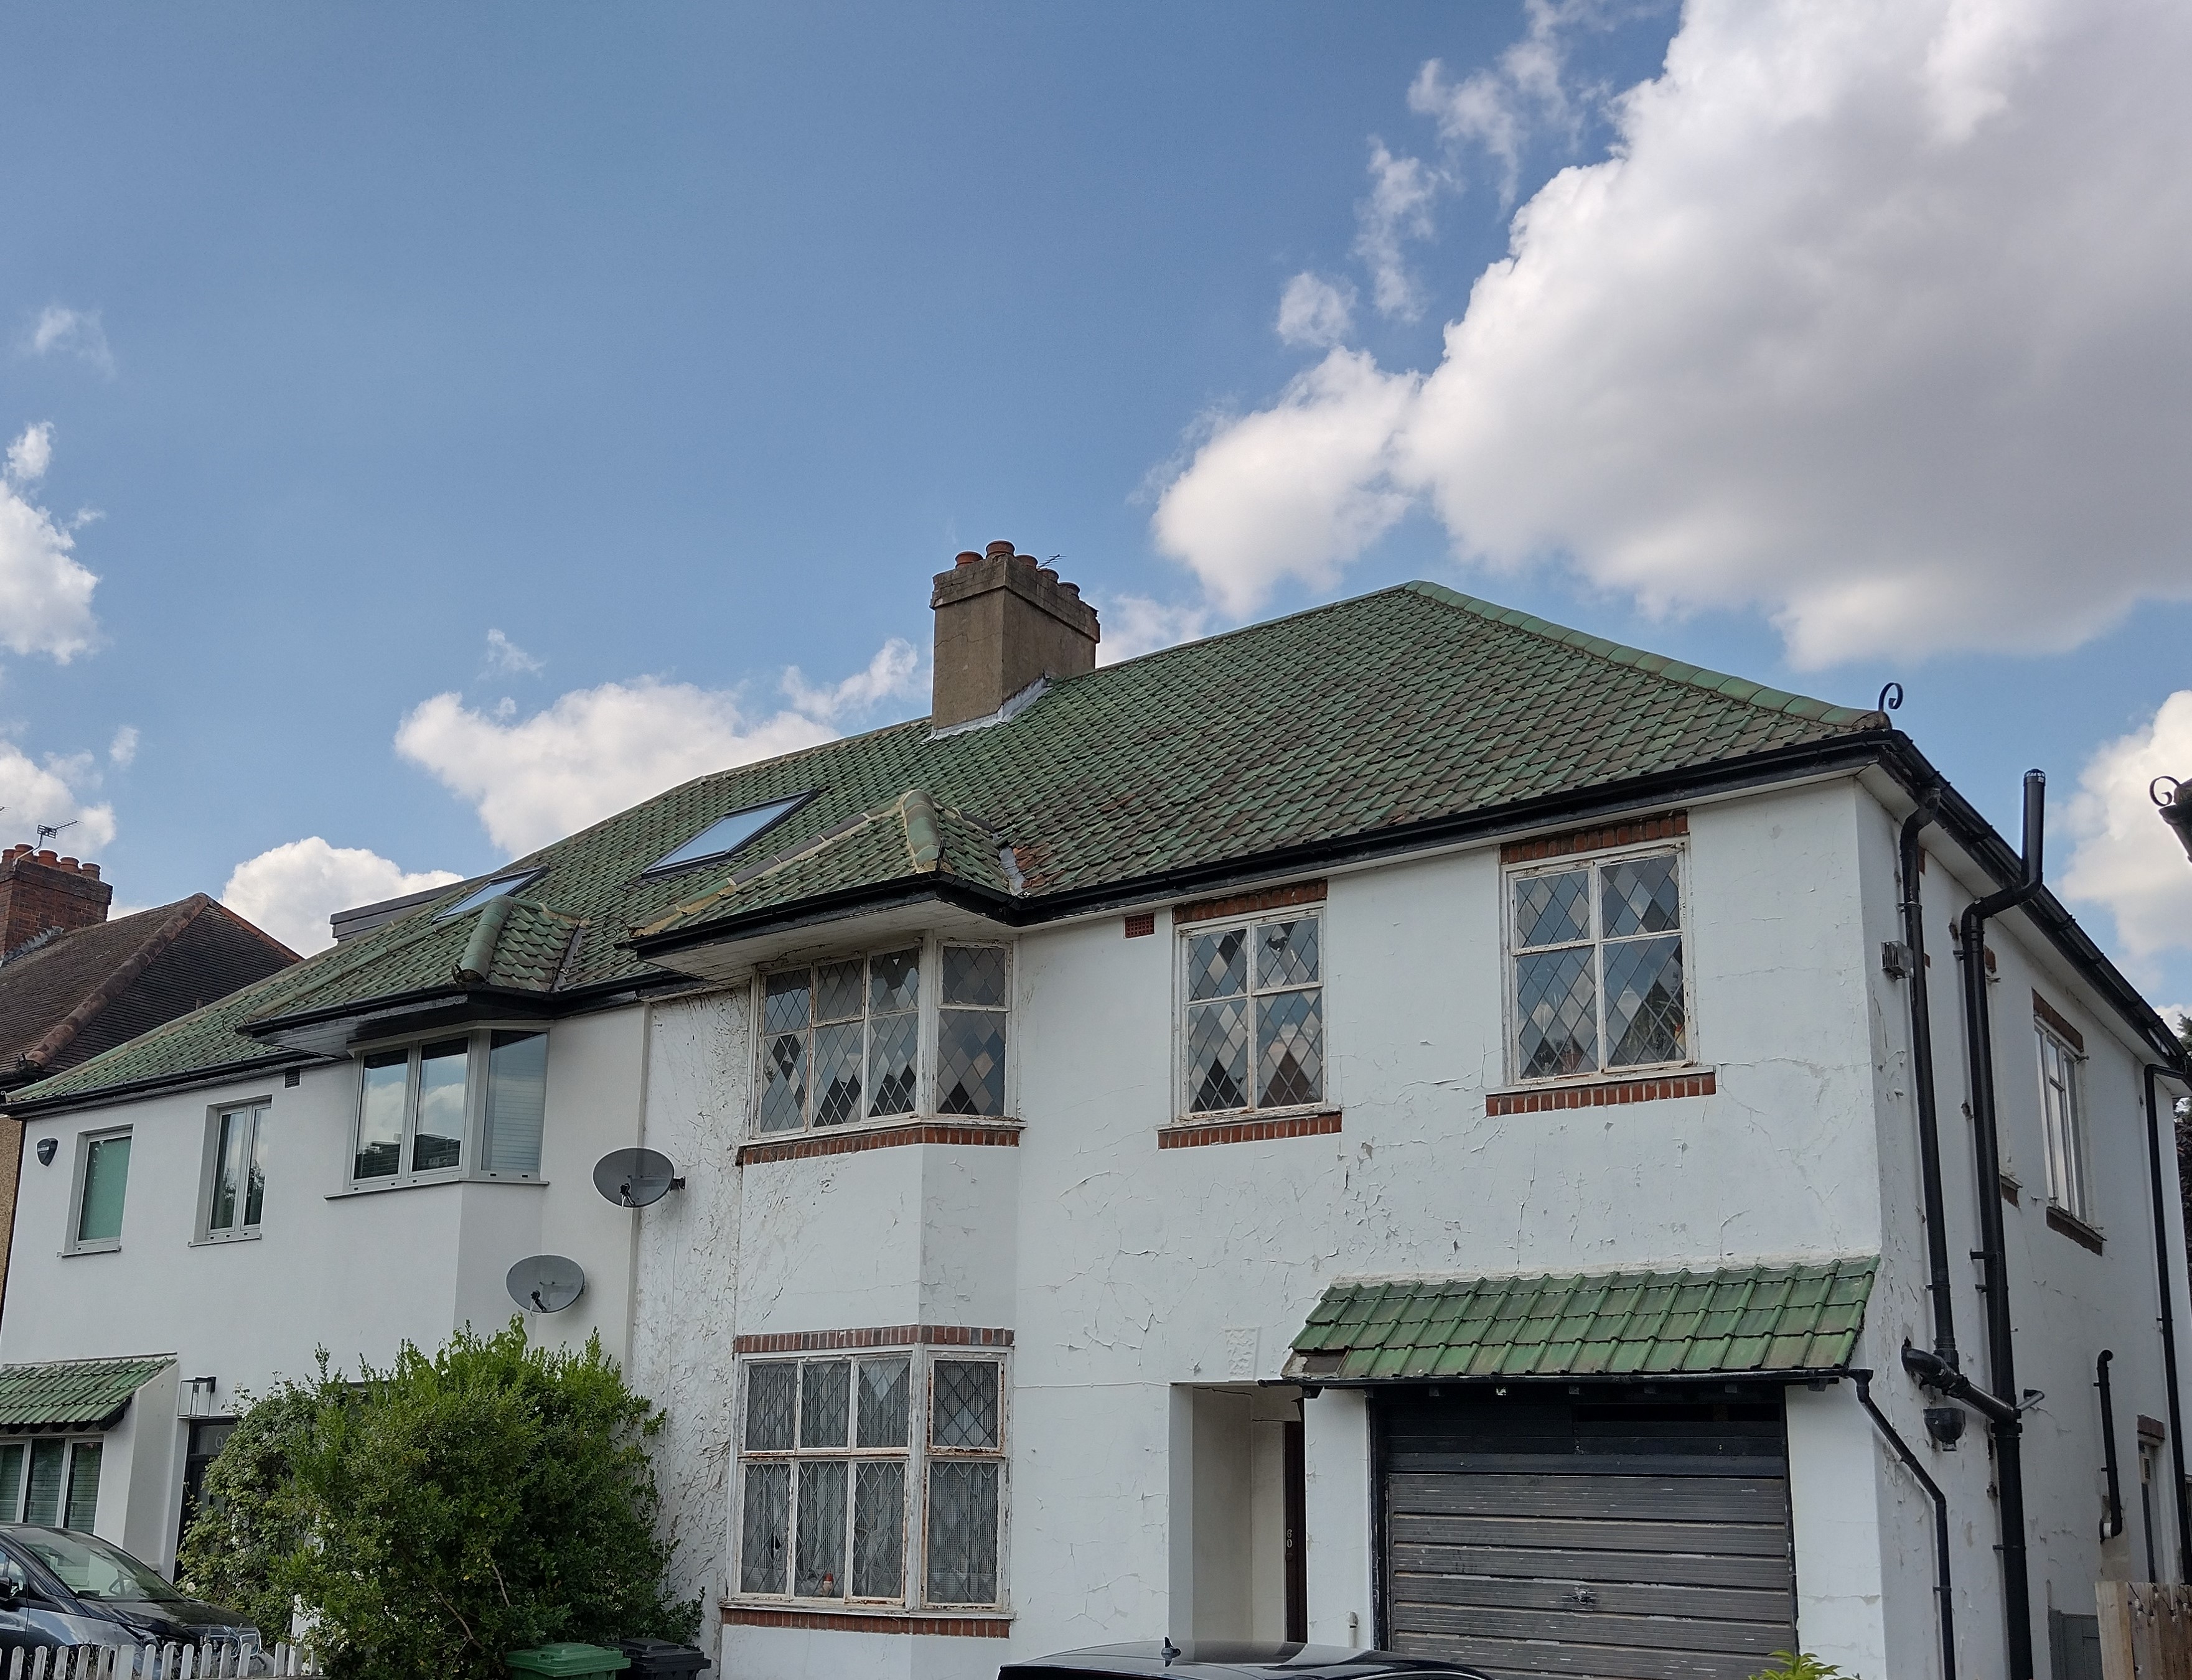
[[466, 1104]]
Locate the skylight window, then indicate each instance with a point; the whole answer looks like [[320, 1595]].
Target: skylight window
[[481, 894], [728, 833]]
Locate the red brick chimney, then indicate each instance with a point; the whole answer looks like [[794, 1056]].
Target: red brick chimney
[[40, 892], [1003, 622]]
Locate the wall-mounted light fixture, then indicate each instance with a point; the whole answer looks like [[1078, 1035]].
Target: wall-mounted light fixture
[[47, 1147]]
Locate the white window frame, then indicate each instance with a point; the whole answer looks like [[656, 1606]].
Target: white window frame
[[917, 1456], [14, 1500], [929, 1007], [72, 1243], [1510, 951], [259, 1109], [2069, 1158], [479, 1038], [1183, 935]]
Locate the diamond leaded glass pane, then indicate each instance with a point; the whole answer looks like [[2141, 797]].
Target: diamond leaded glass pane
[[1644, 1002], [1286, 954], [766, 1527], [1217, 1055], [878, 1530], [883, 1386], [976, 975], [970, 1062], [893, 983], [1552, 909], [891, 1043], [825, 1393], [784, 1083], [962, 1534], [1556, 1007], [837, 1073], [1289, 1049], [770, 1391], [964, 1405], [784, 999], [837, 991], [819, 1570], [1216, 965], [1639, 895]]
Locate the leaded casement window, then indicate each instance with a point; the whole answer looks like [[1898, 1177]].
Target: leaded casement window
[[1251, 1024], [50, 1481], [470, 1105], [1595, 982], [235, 1172], [873, 1478], [2062, 1118], [844, 1042]]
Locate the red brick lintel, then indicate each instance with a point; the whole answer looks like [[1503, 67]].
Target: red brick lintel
[[1601, 1095], [1194, 1133], [1667, 825], [881, 1335], [1248, 903], [808, 1145], [879, 1621], [2044, 1010]]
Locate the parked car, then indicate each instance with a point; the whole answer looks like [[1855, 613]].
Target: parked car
[[1227, 1659], [59, 1588]]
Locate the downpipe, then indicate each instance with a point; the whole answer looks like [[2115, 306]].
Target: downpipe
[[2111, 1524], [1943, 1588], [2165, 1276], [1941, 1284]]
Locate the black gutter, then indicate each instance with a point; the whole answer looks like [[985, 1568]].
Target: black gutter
[[1943, 1588], [1942, 1285], [2165, 1276], [2111, 1524]]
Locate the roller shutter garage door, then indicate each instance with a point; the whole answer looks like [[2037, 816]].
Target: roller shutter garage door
[[1604, 1535]]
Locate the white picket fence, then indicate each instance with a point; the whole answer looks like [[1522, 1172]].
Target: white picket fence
[[155, 1662]]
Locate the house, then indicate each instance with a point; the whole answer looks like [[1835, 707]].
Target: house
[[1400, 1124]]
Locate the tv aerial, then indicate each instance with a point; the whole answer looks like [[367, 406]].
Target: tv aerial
[[633, 1178], [47, 832], [546, 1282]]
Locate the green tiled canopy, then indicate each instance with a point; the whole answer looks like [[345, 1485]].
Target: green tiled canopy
[[73, 1393], [1752, 1319]]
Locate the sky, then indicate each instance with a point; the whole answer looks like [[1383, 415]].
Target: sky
[[428, 429]]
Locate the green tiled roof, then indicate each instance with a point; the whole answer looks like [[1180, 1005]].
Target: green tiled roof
[[65, 1394], [1742, 1319], [1412, 706]]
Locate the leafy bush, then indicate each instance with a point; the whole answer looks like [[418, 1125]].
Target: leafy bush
[[1801, 1666], [433, 1517]]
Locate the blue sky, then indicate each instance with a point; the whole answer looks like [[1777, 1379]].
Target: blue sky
[[679, 345]]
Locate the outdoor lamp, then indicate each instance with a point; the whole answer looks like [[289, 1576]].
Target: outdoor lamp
[[2176, 808]]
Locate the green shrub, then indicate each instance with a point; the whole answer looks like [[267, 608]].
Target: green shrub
[[1801, 1666], [433, 1517]]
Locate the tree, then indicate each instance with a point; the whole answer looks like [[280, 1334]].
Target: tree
[[431, 1517]]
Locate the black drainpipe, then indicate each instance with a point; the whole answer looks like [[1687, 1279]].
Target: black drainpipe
[[2165, 1274], [2111, 1524], [1986, 1142], [1943, 1285], [1941, 1552]]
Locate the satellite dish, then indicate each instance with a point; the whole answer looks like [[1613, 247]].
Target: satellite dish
[[632, 1178], [546, 1282]]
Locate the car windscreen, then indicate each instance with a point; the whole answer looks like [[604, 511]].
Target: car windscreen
[[95, 1571]]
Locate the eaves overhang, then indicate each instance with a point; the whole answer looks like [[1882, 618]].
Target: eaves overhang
[[333, 1030]]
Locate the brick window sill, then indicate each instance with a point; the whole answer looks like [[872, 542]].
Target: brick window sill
[[2083, 1235], [853, 1139], [970, 1625], [1601, 1093], [1249, 1128]]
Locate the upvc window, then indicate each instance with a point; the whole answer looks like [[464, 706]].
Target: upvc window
[[446, 1107], [96, 1196], [1252, 1027], [50, 1481], [235, 1177], [875, 1478], [843, 1041], [1595, 966], [2063, 1116]]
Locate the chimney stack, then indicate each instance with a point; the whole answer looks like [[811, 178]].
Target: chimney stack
[[1004, 622], [41, 892]]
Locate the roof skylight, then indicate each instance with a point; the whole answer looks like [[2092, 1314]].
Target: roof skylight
[[726, 834], [487, 890]]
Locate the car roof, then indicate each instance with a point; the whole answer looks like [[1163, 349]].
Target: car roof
[[1229, 1660]]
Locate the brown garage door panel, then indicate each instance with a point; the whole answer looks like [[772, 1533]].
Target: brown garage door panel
[[1588, 1628], [1550, 1591], [1507, 1657], [1769, 1570], [1579, 1532], [1700, 1499]]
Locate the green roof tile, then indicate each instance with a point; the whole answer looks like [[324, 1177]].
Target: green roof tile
[[73, 1393], [1743, 1318]]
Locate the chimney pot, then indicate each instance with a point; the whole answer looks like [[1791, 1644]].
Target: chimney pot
[[91, 872], [68, 863], [49, 855], [998, 547], [968, 557], [1004, 622], [43, 892]]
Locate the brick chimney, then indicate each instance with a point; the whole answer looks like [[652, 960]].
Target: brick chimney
[[40, 892], [1003, 622]]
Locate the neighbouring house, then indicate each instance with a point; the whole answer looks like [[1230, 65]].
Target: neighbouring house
[[1401, 1124]]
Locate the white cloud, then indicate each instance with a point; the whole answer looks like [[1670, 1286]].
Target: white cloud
[[505, 658], [1135, 624], [51, 793], [45, 596], [59, 331], [122, 752], [292, 890], [597, 751], [1398, 208], [1501, 108], [1315, 313], [2127, 859], [1873, 321]]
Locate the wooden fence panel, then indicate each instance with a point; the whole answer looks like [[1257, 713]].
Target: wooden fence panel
[[2146, 1630]]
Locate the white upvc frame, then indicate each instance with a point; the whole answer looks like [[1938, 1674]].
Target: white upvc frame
[[2063, 1143], [1183, 933], [916, 1456], [1509, 951], [479, 1037], [928, 1010], [72, 1242], [258, 1110], [14, 1500]]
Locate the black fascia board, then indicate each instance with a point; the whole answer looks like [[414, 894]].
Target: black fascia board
[[156, 1084], [505, 1000], [889, 895]]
